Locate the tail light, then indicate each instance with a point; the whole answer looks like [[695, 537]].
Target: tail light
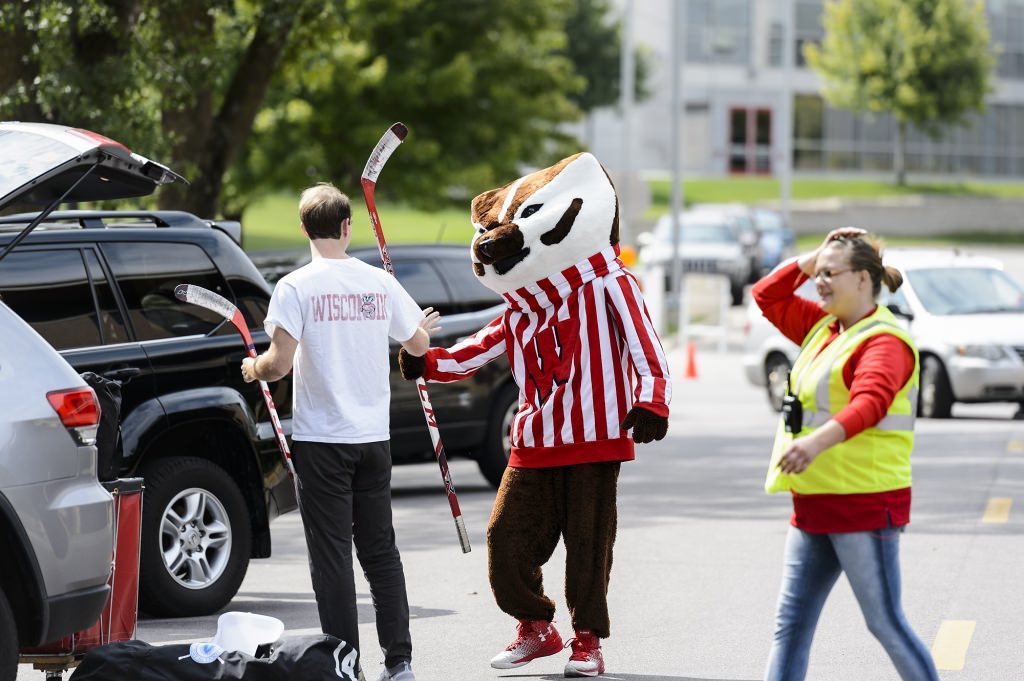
[[79, 411]]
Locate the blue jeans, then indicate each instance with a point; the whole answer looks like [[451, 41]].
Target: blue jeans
[[870, 560]]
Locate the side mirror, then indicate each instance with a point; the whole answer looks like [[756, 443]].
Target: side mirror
[[900, 312]]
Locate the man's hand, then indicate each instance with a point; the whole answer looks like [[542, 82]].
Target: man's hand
[[430, 320], [647, 426], [249, 369]]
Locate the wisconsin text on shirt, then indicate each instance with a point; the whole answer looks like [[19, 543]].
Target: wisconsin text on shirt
[[349, 307]]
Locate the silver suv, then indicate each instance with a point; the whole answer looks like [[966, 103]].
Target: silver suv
[[56, 520], [56, 523], [711, 242]]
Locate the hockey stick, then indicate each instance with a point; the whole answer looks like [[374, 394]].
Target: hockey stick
[[385, 147], [197, 295]]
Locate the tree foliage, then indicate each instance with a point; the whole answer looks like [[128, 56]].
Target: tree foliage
[[595, 47], [246, 96], [927, 62]]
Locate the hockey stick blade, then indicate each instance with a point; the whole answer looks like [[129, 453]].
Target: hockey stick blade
[[382, 152], [197, 295]]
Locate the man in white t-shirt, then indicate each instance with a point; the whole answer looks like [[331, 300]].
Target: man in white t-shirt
[[331, 320]]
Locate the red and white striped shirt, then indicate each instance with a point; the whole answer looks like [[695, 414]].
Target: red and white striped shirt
[[575, 342]]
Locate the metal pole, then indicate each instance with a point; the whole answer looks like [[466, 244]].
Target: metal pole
[[627, 87], [678, 111], [785, 169]]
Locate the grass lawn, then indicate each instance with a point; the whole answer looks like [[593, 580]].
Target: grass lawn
[[806, 242], [273, 223], [749, 190]]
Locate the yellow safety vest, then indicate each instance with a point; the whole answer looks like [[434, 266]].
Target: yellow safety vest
[[875, 460]]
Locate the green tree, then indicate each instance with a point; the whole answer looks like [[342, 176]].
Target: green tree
[[927, 62], [244, 96], [180, 80], [595, 47], [483, 85]]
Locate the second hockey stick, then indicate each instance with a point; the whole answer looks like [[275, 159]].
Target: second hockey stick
[[197, 295]]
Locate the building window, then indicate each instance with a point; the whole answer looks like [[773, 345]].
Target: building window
[[776, 34], [718, 31], [1006, 25], [808, 27]]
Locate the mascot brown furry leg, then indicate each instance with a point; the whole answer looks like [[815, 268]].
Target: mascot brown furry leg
[[593, 380]]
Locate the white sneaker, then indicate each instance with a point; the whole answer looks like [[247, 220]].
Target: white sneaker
[[400, 672]]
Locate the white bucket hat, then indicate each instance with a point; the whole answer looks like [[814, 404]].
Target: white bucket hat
[[238, 631]]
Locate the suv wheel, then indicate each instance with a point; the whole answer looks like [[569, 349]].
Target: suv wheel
[[776, 375], [196, 538], [497, 448], [935, 397], [8, 642]]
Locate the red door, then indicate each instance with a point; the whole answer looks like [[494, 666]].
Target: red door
[[750, 141]]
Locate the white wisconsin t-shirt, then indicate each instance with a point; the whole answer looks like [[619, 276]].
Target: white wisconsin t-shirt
[[342, 313]]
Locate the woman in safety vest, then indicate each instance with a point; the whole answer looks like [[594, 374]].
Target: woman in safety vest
[[843, 449]]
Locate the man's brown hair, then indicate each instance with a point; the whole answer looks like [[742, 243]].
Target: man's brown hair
[[322, 209]]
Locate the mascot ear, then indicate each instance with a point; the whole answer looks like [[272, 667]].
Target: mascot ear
[[486, 205]]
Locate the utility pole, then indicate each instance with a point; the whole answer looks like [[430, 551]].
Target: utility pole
[[678, 111], [627, 87], [786, 110]]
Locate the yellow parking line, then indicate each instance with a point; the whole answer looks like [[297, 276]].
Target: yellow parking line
[[951, 644], [998, 510], [1016, 446]]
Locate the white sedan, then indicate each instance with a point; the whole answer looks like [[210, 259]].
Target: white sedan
[[965, 314]]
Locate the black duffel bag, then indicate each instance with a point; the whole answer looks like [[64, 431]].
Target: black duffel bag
[[292, 658]]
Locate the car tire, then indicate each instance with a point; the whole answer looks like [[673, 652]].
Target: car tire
[[776, 376], [935, 398], [196, 538], [8, 642], [494, 454]]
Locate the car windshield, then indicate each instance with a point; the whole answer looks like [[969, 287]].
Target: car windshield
[[697, 232], [966, 290], [27, 156]]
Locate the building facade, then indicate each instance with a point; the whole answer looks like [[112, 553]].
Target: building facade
[[735, 80]]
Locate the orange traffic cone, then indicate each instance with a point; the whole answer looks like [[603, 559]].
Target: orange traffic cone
[[691, 360]]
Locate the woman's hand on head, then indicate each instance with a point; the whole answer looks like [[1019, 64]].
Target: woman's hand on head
[[808, 261], [842, 233]]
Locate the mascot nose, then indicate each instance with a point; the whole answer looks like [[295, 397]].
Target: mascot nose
[[486, 248]]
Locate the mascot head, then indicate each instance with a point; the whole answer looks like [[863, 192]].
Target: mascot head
[[543, 223]]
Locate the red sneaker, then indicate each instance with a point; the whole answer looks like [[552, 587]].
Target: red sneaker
[[534, 638], [586, 657]]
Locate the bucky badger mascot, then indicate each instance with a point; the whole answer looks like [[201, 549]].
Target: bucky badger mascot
[[577, 335]]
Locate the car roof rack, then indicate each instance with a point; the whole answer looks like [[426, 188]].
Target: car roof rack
[[106, 219]]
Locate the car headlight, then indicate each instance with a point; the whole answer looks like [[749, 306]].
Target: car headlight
[[992, 353]]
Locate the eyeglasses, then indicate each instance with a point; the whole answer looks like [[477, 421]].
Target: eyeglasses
[[828, 275]]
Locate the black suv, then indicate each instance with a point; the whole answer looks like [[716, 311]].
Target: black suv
[[99, 286], [473, 415]]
